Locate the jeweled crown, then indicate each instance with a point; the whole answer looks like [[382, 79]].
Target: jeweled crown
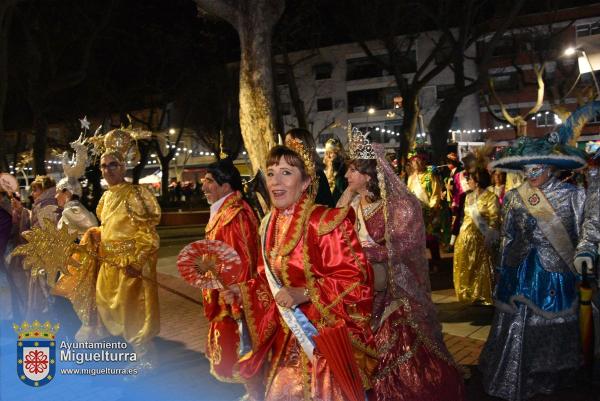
[[359, 145], [36, 330]]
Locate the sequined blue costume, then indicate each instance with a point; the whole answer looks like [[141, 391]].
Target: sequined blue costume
[[533, 346]]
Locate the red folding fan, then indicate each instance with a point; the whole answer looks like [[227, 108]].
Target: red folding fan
[[209, 264]]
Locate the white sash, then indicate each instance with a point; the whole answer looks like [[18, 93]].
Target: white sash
[[295, 319], [548, 221], [472, 211]]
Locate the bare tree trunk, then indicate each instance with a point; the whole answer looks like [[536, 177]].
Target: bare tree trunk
[[410, 106], [19, 147], [164, 179], [257, 108], [254, 20], [297, 102], [279, 123], [144, 149], [439, 126], [94, 176], [40, 133]]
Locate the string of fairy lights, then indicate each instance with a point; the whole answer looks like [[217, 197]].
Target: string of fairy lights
[[56, 164], [420, 136]]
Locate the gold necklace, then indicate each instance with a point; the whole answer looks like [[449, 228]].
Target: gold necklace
[[281, 226]]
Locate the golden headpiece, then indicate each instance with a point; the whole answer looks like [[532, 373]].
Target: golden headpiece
[[359, 145], [307, 157], [119, 143], [334, 145]]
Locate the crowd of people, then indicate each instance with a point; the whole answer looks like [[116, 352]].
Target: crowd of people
[[344, 247]]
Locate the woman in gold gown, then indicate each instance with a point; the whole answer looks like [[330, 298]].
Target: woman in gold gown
[[477, 242]]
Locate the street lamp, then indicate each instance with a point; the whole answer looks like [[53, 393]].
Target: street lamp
[[570, 51], [370, 112]]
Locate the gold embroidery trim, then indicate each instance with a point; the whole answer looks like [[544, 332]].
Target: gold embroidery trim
[[338, 299], [306, 377], [249, 314], [285, 277], [421, 339], [338, 216], [371, 209], [296, 225], [229, 202], [117, 248]]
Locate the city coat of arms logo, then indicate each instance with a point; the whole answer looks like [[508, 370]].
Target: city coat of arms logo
[[36, 352]]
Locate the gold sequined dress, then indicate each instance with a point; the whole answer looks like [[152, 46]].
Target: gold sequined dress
[[473, 260], [128, 306]]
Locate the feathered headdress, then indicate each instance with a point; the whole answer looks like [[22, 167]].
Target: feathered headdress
[[570, 130], [554, 149]]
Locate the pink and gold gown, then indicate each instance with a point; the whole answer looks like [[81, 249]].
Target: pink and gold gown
[[414, 363]]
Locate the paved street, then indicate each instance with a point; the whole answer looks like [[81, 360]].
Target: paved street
[[183, 372], [181, 341]]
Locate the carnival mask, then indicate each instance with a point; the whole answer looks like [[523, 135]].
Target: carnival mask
[[533, 171]]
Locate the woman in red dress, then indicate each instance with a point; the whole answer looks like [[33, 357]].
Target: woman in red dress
[[312, 274]]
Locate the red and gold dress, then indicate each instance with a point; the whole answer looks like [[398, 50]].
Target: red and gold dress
[[414, 364], [315, 248], [236, 225]]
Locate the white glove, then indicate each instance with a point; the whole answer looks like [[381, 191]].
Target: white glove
[[580, 260]]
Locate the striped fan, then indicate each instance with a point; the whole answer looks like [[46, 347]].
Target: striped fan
[[209, 264]]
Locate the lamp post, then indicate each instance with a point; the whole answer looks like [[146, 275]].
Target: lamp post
[[370, 112], [570, 51]]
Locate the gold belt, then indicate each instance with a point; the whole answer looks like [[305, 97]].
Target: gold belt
[[117, 248]]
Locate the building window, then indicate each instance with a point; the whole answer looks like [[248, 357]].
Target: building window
[[587, 29], [360, 101], [324, 137], [443, 54], [364, 67], [324, 104], [322, 71], [443, 90], [506, 47], [595, 120], [545, 119], [505, 82], [285, 108], [281, 78], [385, 133], [381, 98], [587, 79]]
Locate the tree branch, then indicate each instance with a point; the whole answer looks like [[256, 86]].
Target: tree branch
[[228, 10]]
